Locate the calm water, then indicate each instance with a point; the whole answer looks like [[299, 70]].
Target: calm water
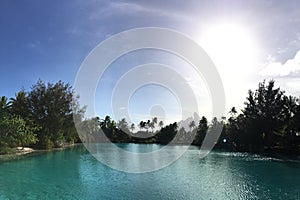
[[75, 174]]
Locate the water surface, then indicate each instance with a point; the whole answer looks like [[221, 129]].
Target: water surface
[[75, 174]]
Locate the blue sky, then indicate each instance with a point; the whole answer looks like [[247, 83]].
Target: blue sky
[[50, 39]]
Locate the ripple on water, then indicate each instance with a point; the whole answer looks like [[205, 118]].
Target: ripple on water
[[75, 174]]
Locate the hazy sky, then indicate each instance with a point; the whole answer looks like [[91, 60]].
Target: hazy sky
[[248, 41]]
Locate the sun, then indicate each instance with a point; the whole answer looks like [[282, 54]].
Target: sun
[[233, 49], [231, 46]]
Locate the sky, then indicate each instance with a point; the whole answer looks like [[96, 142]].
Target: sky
[[248, 41]]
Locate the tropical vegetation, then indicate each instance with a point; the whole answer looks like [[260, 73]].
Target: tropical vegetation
[[44, 118]]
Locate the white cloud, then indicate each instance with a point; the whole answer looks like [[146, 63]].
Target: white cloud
[[286, 74], [289, 84], [130, 8], [290, 67]]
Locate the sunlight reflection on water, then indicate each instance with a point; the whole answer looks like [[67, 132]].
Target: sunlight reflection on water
[[75, 174]]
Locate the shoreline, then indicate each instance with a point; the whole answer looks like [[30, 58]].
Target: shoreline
[[21, 152]]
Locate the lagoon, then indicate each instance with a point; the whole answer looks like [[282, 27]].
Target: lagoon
[[73, 173]]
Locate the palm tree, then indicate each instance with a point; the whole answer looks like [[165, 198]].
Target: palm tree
[[233, 111], [192, 125], [152, 125], [202, 130], [123, 125], [147, 125], [154, 120], [19, 104], [4, 104], [161, 124], [132, 127], [112, 125], [106, 122], [142, 125]]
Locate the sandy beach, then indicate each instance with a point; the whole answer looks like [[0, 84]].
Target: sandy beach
[[23, 150]]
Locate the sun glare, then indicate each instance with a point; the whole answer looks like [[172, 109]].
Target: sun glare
[[233, 50], [230, 46]]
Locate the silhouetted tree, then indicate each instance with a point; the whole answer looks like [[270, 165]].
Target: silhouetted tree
[[201, 131], [132, 127], [263, 114], [192, 125], [161, 124], [167, 133]]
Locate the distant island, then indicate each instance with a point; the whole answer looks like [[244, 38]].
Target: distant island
[[43, 118]]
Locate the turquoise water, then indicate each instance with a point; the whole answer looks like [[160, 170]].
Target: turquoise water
[[75, 174]]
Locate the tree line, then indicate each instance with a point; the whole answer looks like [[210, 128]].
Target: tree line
[[43, 118], [269, 122]]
